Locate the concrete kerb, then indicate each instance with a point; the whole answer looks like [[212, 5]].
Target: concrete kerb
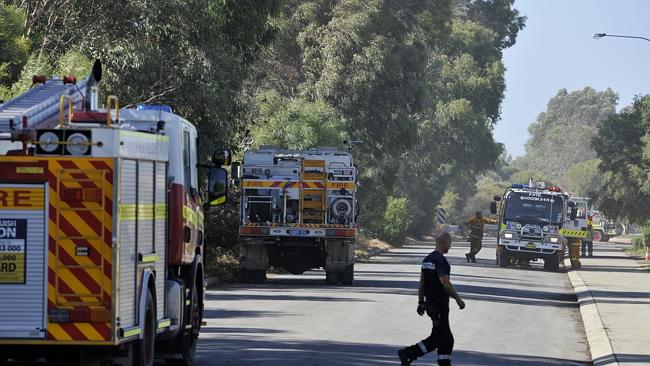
[[600, 346]]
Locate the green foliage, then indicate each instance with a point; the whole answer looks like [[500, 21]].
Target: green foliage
[[584, 179], [622, 145], [486, 189], [561, 136], [396, 220], [638, 243], [419, 81], [36, 65], [14, 48], [453, 204], [524, 176], [167, 52], [73, 63], [296, 123]]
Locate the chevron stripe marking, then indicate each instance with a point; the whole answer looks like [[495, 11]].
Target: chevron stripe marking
[[55, 332]]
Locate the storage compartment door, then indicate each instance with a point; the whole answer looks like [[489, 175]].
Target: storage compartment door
[[22, 261]]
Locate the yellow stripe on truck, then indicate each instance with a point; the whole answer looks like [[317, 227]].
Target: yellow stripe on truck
[[573, 233]]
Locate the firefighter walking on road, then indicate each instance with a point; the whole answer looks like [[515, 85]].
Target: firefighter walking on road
[[433, 298], [476, 226]]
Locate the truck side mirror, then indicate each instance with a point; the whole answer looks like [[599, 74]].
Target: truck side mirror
[[497, 198], [573, 214], [493, 208], [217, 186]]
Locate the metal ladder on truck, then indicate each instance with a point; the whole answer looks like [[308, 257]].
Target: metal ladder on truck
[[39, 105], [313, 200]]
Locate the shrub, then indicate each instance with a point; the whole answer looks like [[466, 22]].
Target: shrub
[[397, 219]]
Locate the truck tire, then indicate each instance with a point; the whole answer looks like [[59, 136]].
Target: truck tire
[[347, 276], [552, 264], [502, 259], [186, 341], [331, 277], [245, 276], [144, 348], [259, 276]]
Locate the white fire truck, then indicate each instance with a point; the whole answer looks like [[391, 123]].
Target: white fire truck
[[298, 212], [101, 228], [603, 229], [531, 225]]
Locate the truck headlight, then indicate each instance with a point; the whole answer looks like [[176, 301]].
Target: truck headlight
[[508, 235], [554, 239]]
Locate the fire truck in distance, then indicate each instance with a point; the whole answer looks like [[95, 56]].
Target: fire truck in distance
[[603, 229], [101, 228], [531, 225], [298, 212]]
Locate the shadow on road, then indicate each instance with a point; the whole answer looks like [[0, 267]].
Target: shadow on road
[[623, 358], [247, 351]]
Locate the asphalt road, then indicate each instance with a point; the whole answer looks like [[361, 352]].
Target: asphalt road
[[514, 316]]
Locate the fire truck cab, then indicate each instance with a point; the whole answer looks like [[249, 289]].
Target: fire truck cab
[[531, 219]]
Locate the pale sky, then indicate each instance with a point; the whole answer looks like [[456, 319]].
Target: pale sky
[[555, 50]]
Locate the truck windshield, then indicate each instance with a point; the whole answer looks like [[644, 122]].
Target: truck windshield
[[533, 207]]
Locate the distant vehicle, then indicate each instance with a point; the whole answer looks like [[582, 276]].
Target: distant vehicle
[[604, 229]]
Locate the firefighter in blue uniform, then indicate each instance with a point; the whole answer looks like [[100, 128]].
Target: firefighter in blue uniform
[[433, 298]]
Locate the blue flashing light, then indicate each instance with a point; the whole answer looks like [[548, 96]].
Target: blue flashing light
[[154, 107], [518, 185]]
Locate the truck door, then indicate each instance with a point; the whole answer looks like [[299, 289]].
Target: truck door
[[23, 283]]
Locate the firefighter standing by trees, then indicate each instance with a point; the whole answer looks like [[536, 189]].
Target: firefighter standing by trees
[[476, 226]]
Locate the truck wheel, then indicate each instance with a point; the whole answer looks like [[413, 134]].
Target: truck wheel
[[144, 348], [552, 264], [245, 276], [259, 276], [503, 258], [331, 277], [347, 276], [187, 341]]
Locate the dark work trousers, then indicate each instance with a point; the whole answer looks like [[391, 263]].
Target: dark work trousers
[[440, 338], [587, 248], [475, 246]]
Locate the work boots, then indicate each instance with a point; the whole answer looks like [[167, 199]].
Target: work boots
[[406, 361], [409, 354], [470, 258]]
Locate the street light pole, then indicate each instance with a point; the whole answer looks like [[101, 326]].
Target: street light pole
[[601, 35]]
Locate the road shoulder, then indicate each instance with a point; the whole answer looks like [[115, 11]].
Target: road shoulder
[[598, 339]]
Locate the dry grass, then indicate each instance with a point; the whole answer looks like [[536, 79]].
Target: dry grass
[[367, 247]]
